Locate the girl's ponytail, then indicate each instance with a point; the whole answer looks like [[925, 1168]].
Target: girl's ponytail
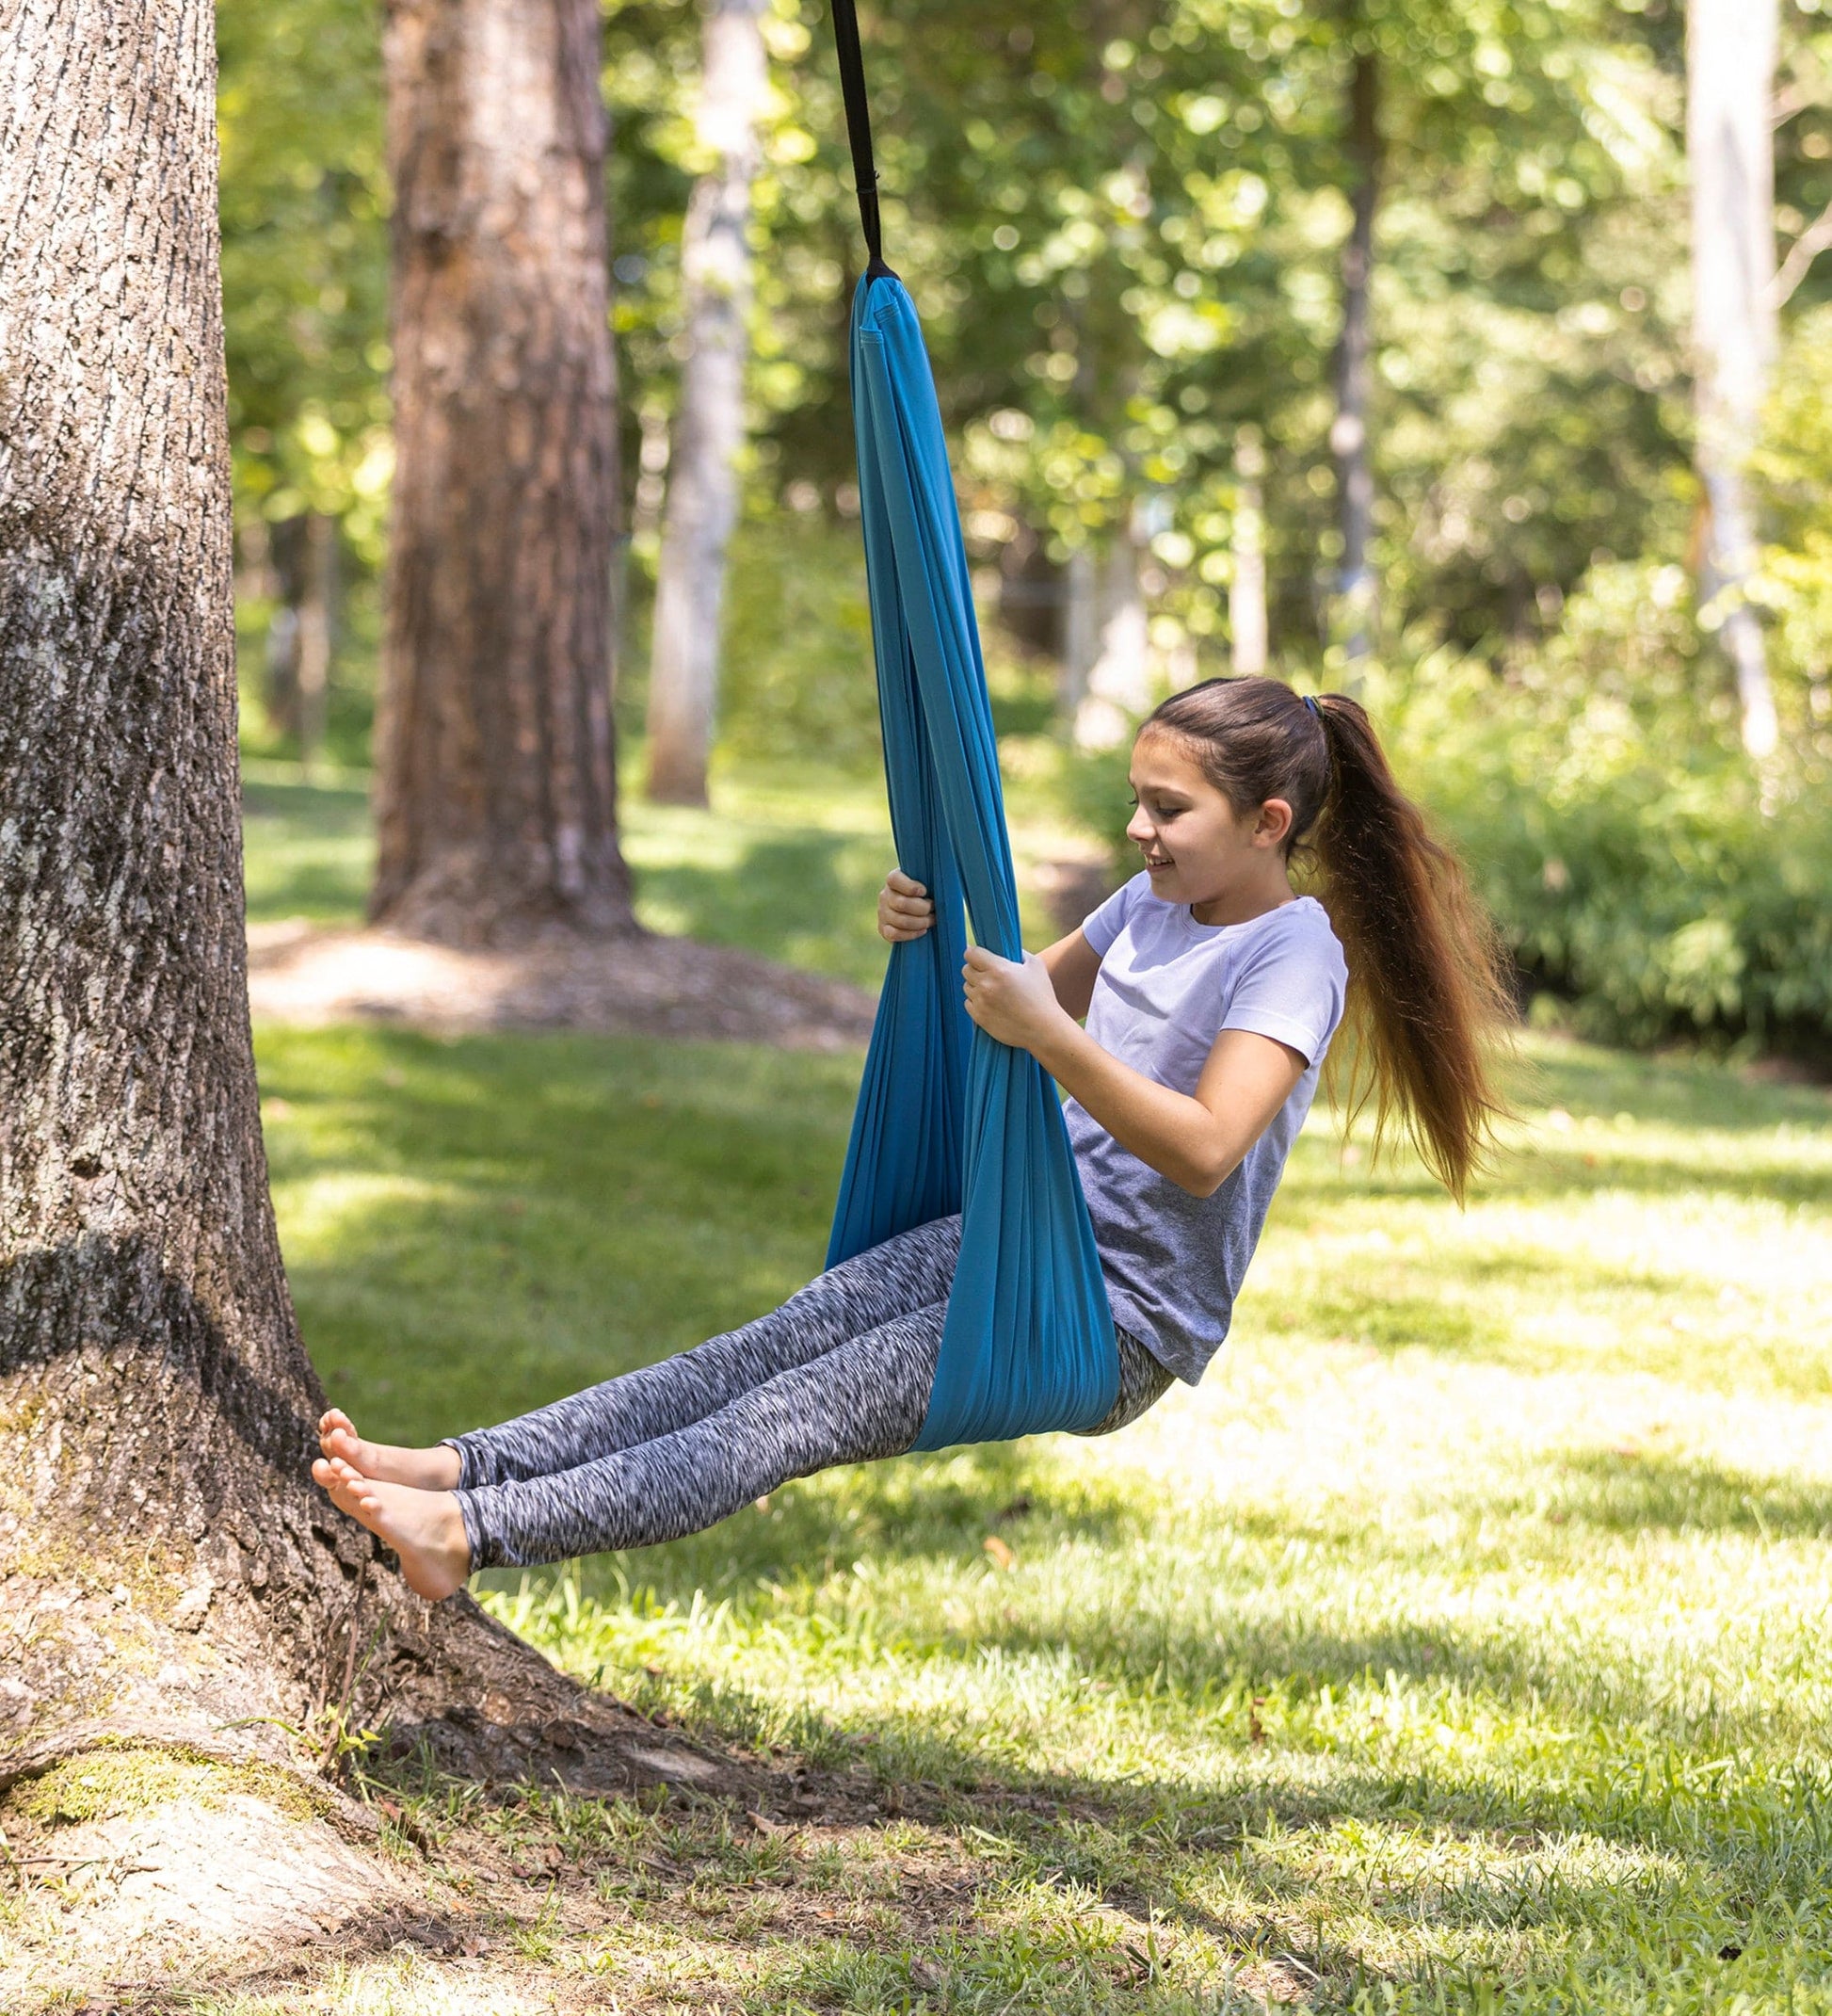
[[1428, 987]]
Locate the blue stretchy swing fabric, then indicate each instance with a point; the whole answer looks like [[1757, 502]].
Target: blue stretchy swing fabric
[[948, 1118]]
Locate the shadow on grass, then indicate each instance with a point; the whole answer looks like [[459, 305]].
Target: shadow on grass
[[474, 1228], [1194, 1628], [1681, 1092], [1620, 1493], [911, 1509]]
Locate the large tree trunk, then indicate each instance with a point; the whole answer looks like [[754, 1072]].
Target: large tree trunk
[[1730, 78], [702, 498], [155, 1399], [165, 1563], [1356, 589], [495, 799]]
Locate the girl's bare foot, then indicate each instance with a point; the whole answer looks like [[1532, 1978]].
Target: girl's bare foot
[[424, 1469], [423, 1528]]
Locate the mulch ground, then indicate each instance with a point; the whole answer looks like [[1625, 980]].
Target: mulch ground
[[301, 973]]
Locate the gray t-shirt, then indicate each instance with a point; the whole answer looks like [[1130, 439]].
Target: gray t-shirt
[[1168, 987]]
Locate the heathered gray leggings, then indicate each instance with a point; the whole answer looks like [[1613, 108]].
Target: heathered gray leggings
[[839, 1374]]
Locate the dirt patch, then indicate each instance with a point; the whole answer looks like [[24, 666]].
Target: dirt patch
[[301, 973]]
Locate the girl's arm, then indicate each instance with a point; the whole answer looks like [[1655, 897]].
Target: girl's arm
[[1197, 1140], [905, 911], [1072, 965]]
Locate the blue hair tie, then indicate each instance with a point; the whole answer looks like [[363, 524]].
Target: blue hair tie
[[1309, 700]]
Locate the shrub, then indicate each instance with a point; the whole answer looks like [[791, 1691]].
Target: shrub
[[798, 678]]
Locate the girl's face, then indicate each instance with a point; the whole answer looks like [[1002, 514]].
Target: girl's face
[[1197, 847]]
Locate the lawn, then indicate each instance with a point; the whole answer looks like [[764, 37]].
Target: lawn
[[1460, 1643]]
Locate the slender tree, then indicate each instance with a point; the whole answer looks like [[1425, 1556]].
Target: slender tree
[[709, 432], [300, 555], [1122, 683], [1246, 586], [1730, 151], [1348, 436], [496, 807]]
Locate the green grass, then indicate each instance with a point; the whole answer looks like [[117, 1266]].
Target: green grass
[[472, 1228], [1461, 1643], [307, 850]]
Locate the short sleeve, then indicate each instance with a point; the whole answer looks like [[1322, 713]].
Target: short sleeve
[[1293, 987], [1104, 926]]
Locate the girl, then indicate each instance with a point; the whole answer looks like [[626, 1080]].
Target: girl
[[1210, 991]]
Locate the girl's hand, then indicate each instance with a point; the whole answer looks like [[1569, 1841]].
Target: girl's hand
[[1017, 1004], [904, 910]]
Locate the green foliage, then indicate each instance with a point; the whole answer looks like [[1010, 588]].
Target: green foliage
[[1793, 470], [305, 204], [1634, 858], [1125, 237], [798, 675]]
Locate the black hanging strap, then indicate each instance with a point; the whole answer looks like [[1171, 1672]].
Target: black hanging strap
[[859, 130]]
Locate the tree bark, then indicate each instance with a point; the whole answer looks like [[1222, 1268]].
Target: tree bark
[[1246, 587], [1357, 591], [1730, 151], [165, 1563], [702, 499], [155, 1399], [495, 797]]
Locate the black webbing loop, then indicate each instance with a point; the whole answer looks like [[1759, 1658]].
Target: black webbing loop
[[859, 129]]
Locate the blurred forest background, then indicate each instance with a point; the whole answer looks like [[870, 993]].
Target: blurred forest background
[[1356, 342]]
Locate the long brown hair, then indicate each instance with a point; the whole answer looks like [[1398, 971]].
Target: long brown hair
[[1428, 989]]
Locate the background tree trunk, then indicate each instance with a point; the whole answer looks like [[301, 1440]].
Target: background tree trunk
[[300, 556], [1730, 151], [1357, 591], [1246, 587], [702, 498], [495, 802], [317, 635], [1081, 630]]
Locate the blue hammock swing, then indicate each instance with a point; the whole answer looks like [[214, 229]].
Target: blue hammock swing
[[948, 1119]]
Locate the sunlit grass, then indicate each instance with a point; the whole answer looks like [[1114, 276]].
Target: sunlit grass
[[1460, 1642]]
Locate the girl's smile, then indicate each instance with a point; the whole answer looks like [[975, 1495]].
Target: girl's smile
[[1227, 866]]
